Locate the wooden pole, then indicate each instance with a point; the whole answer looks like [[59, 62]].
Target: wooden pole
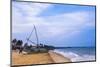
[[36, 36]]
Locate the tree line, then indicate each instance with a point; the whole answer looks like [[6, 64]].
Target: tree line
[[18, 45]]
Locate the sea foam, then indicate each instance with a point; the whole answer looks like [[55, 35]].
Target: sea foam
[[75, 57]]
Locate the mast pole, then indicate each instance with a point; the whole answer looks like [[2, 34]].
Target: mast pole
[[36, 36], [30, 34]]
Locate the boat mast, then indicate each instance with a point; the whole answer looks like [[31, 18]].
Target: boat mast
[[30, 35], [36, 36], [28, 39]]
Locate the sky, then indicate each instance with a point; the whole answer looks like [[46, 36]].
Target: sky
[[61, 25]]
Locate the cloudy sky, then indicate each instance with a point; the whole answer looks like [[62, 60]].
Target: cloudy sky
[[56, 24]]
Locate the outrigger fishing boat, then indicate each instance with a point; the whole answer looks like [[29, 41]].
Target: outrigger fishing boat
[[38, 46]]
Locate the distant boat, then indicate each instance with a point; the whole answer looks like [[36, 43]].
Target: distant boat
[[39, 46]]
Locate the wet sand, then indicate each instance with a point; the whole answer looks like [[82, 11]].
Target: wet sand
[[58, 58]]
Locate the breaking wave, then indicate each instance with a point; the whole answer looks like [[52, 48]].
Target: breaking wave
[[76, 57]]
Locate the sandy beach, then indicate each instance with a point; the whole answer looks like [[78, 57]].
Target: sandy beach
[[58, 58], [37, 58]]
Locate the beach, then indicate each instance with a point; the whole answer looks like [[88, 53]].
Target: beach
[[37, 58]]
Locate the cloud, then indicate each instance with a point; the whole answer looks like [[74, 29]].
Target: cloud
[[25, 15], [29, 8], [67, 23]]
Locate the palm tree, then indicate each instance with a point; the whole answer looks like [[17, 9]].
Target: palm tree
[[19, 43], [14, 41]]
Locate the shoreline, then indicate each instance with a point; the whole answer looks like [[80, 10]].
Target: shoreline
[[38, 58], [58, 58]]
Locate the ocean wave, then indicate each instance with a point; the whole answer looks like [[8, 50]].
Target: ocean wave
[[75, 57]]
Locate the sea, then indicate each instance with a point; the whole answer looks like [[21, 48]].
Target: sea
[[78, 54]]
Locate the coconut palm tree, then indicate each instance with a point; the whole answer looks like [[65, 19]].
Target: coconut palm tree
[[14, 41]]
